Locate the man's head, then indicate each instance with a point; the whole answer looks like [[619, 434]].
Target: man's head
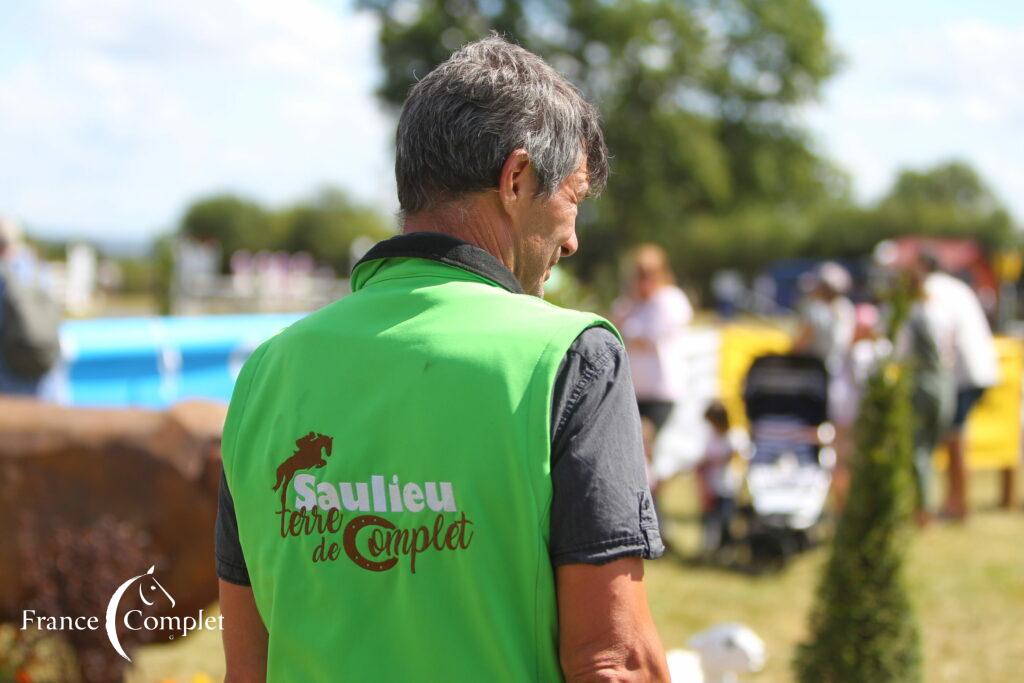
[[928, 261], [495, 146], [717, 416], [650, 270], [10, 235], [833, 280]]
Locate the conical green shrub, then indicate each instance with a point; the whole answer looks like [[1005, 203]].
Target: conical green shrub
[[862, 626]]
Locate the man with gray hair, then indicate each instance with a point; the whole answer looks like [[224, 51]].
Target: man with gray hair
[[494, 436]]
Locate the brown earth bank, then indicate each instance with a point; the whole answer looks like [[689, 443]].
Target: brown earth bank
[[92, 497]]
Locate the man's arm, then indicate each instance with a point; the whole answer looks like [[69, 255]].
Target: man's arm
[[601, 506], [602, 518], [245, 637], [605, 628]]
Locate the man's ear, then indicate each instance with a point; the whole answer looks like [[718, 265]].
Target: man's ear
[[517, 180]]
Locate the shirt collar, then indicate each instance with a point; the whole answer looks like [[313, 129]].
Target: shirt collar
[[437, 246]]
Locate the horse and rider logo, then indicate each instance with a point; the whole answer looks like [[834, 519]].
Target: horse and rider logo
[[310, 451]]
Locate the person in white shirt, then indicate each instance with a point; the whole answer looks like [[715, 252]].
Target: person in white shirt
[[652, 316], [976, 366], [927, 343]]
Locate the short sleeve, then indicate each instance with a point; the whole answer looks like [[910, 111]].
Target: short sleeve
[[601, 507], [740, 442], [230, 562], [672, 311]]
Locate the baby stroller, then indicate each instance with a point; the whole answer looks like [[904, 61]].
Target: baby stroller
[[791, 459]]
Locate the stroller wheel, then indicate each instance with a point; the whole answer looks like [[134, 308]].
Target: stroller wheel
[[771, 551]]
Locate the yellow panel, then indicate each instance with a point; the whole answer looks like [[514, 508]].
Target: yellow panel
[[993, 428], [740, 345]]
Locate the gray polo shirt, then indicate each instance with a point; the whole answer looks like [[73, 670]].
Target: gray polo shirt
[[601, 507]]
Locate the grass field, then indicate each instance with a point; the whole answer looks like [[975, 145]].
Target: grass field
[[967, 584], [966, 581]]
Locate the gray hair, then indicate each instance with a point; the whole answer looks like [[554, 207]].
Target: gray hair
[[462, 120]]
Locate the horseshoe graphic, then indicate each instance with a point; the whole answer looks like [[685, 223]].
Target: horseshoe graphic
[[349, 538]]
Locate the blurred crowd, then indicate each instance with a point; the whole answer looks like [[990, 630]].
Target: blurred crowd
[[946, 341]]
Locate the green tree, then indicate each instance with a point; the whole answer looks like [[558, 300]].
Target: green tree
[[954, 184], [947, 200], [862, 625], [162, 263], [326, 224], [697, 98], [49, 250], [232, 221]]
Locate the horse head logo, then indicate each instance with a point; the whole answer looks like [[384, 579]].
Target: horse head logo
[[307, 454], [150, 591]]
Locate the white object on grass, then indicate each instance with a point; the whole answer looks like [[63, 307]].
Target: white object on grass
[[718, 655]]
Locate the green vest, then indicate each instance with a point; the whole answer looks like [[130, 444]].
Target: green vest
[[389, 461]]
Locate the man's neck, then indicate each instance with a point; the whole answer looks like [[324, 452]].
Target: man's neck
[[470, 222]]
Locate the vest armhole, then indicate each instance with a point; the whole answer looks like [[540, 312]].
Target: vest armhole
[[239, 400]]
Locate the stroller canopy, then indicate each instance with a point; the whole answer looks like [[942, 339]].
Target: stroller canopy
[[787, 386]]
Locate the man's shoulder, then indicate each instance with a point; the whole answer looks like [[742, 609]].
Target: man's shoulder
[[955, 294], [533, 315], [947, 284], [522, 316], [543, 305], [672, 295], [596, 342], [330, 316]]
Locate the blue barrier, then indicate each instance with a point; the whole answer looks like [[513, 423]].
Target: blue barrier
[[154, 362]]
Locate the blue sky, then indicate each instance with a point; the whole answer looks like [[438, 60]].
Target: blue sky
[[115, 113], [924, 81]]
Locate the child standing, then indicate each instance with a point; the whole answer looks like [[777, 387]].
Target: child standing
[[719, 474]]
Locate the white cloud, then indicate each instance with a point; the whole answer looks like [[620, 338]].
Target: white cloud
[[119, 112], [916, 96], [114, 113]]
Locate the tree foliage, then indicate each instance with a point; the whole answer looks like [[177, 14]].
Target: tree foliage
[[697, 99], [949, 199], [946, 200], [953, 184], [231, 221], [862, 625], [324, 225]]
